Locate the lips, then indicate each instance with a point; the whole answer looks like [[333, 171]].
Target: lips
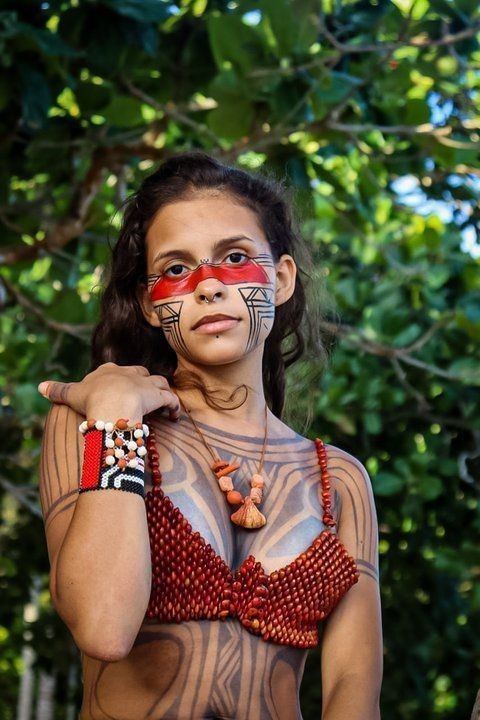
[[217, 317]]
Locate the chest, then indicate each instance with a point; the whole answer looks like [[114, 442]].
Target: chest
[[291, 501]]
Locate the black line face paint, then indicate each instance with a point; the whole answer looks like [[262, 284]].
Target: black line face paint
[[261, 309], [169, 315], [265, 260]]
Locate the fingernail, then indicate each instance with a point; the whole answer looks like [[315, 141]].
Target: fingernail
[[42, 388]]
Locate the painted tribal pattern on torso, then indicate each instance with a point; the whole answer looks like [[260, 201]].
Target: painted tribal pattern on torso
[[206, 669], [190, 581]]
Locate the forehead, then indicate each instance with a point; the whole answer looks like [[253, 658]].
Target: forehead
[[202, 219]]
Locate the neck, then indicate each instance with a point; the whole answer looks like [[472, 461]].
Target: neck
[[226, 378]]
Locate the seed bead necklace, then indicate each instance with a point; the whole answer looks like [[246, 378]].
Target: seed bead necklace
[[247, 515]]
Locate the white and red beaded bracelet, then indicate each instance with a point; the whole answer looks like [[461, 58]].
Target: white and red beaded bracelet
[[113, 455]]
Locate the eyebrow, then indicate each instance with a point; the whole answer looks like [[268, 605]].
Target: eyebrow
[[218, 245]]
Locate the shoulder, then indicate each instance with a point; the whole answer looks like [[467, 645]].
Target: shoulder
[[347, 473], [63, 414], [356, 512], [341, 458], [348, 476]]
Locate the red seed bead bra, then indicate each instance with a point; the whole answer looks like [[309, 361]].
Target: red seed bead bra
[[191, 582]]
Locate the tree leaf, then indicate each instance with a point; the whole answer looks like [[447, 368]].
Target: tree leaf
[[235, 42], [50, 43], [144, 11], [385, 484], [36, 98]]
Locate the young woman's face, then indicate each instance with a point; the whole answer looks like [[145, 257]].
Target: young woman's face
[[212, 281]]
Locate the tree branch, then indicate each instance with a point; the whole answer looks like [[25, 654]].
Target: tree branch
[[76, 220], [442, 420], [78, 331], [357, 338], [72, 225], [171, 110], [20, 493], [423, 404], [421, 41]]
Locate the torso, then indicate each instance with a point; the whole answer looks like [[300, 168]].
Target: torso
[[217, 669]]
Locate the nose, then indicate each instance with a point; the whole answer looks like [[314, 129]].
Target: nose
[[210, 290]]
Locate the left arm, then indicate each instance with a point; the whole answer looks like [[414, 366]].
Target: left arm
[[352, 648]]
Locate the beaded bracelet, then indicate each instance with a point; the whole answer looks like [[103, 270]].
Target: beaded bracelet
[[113, 456]]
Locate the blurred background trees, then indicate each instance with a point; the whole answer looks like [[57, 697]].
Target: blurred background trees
[[371, 111]]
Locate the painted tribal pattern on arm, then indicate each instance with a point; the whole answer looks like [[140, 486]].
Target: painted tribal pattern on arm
[[357, 510]]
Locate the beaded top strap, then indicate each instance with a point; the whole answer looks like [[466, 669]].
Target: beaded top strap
[[153, 459], [326, 494]]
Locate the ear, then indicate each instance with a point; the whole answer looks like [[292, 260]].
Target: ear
[[149, 312], [285, 274]]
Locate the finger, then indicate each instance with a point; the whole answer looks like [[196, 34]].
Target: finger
[[139, 369], [55, 391], [160, 381], [170, 402]]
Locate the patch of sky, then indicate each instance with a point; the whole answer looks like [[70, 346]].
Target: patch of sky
[[252, 17], [440, 108], [411, 194], [470, 243], [455, 180]]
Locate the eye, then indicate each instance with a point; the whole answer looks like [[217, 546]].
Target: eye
[[175, 270], [236, 258]]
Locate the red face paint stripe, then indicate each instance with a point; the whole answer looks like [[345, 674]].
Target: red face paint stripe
[[227, 274]]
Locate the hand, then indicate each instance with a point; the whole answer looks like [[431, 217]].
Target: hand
[[112, 391]]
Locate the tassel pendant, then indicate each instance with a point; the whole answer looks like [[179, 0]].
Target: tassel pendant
[[248, 515]]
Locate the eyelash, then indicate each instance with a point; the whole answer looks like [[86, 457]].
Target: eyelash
[[235, 252]]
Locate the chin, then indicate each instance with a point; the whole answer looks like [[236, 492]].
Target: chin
[[216, 357], [217, 351]]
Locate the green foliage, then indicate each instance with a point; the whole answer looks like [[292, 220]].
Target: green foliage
[[371, 111]]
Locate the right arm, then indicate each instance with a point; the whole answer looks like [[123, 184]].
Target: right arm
[[98, 545]]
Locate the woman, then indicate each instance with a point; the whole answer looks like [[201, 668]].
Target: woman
[[195, 592]]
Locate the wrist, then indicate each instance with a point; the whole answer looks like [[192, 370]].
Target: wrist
[[113, 455], [109, 412]]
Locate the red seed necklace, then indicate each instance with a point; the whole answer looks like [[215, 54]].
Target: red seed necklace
[[247, 515]]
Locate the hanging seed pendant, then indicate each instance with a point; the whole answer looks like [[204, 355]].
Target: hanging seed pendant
[[222, 470], [248, 515]]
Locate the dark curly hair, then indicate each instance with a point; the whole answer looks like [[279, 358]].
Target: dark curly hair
[[122, 334]]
